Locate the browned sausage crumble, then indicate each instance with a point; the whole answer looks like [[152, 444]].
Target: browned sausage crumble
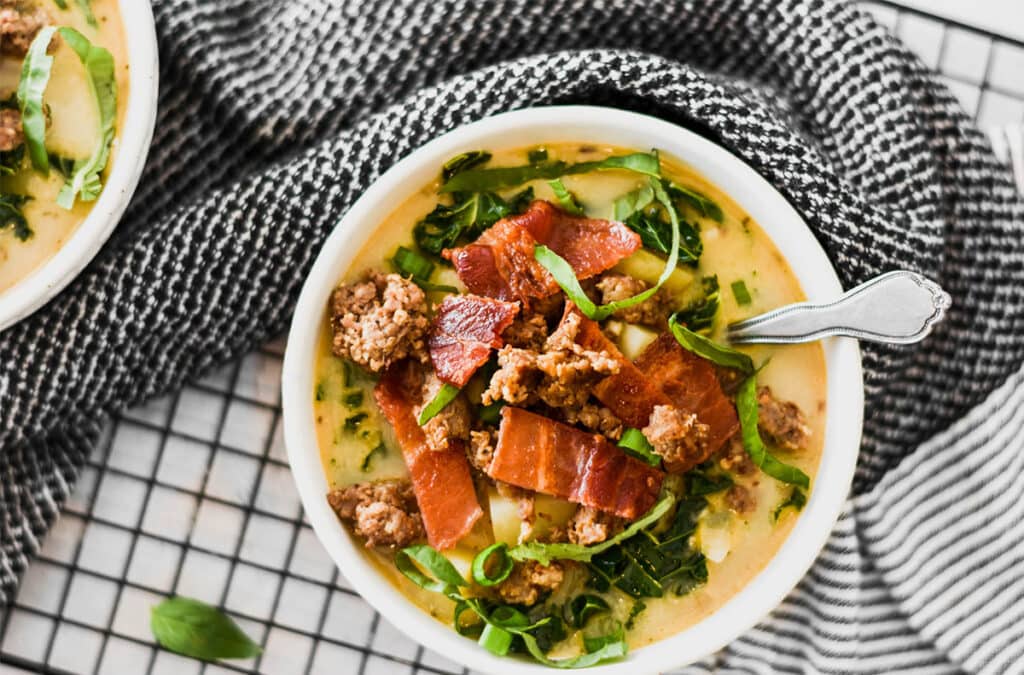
[[676, 435], [384, 512], [379, 321], [20, 21], [781, 421], [530, 581], [652, 312], [11, 134]]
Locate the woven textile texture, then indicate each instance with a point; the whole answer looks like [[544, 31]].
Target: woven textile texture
[[276, 114]]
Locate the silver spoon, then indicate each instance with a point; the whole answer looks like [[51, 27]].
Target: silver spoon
[[896, 307]]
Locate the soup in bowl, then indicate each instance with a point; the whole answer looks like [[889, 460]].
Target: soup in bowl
[[520, 412], [77, 104]]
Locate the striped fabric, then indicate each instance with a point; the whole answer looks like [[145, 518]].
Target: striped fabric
[[276, 114]]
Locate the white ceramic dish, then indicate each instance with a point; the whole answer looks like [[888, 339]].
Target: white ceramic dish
[[133, 140], [595, 125]]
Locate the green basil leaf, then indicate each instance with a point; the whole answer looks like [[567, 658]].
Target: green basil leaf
[[712, 351], [85, 183], [499, 178], [495, 556], [446, 578], [545, 553], [196, 629], [35, 74], [636, 444], [445, 395], [699, 316], [565, 276], [565, 198], [797, 500], [746, 406], [740, 292]]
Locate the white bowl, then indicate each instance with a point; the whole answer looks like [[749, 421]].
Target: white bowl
[[593, 125], [51, 277]]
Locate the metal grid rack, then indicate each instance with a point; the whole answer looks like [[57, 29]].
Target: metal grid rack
[[191, 494]]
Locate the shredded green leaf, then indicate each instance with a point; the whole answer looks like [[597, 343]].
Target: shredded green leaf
[[378, 450], [612, 650], [61, 4], [699, 483], [446, 578], [463, 162], [740, 292], [797, 500], [746, 406], [537, 155], [545, 553], [412, 264], [566, 199], [565, 276], [11, 216], [580, 609], [636, 444], [84, 183], [468, 216], [489, 180], [35, 74], [491, 413], [699, 316], [86, 7], [632, 202], [699, 202], [708, 349]]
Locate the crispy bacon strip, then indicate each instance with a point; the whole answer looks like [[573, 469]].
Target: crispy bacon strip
[[629, 394], [500, 263], [465, 329], [540, 454], [441, 480], [692, 385]]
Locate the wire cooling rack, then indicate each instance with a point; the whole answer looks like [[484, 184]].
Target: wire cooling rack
[[191, 494]]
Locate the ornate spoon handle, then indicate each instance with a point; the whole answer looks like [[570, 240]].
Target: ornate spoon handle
[[897, 307]]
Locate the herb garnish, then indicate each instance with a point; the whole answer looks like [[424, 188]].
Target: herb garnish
[[797, 500], [699, 316], [565, 276], [636, 444], [193, 628], [566, 199], [445, 395], [503, 626], [740, 292], [489, 180], [746, 405], [708, 349]]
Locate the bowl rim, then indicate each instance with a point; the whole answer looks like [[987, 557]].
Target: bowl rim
[[757, 197], [50, 278]]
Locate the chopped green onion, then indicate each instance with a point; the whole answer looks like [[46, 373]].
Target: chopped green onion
[[746, 405], [740, 292], [503, 565], [445, 395], [565, 198], [708, 349], [637, 445], [545, 553], [581, 608], [483, 180], [446, 578], [412, 264], [495, 640], [565, 276]]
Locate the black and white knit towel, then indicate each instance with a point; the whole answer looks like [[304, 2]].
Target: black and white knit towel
[[276, 114]]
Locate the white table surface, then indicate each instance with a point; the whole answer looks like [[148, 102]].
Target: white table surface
[[191, 493]]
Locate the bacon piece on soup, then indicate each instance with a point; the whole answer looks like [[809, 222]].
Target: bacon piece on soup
[[692, 385], [628, 394], [465, 330], [441, 479], [540, 454], [500, 262]]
